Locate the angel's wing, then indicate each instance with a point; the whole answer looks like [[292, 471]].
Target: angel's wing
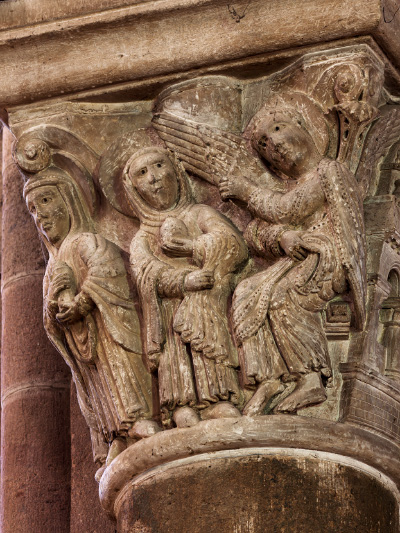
[[382, 135], [207, 152]]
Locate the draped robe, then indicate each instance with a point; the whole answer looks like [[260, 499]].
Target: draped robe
[[189, 329], [103, 349], [277, 312]]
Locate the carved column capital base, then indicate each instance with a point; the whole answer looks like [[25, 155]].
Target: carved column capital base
[[268, 471]]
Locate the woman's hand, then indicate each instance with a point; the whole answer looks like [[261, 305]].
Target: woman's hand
[[61, 281], [293, 245], [71, 313], [178, 247], [76, 309], [199, 280]]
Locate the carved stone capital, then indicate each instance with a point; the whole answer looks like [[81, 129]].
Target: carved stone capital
[[220, 257]]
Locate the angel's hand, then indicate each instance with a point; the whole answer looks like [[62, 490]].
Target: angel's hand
[[293, 245], [70, 314], [178, 247], [199, 280], [236, 186]]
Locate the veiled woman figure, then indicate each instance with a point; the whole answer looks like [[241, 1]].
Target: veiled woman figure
[[184, 259], [315, 235], [88, 313]]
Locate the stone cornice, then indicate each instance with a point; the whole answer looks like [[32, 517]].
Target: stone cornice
[[158, 38]]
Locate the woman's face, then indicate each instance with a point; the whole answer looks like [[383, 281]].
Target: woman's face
[[50, 213], [287, 146], [154, 178]]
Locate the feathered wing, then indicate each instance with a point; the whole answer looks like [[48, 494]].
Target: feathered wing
[[207, 152], [382, 135]]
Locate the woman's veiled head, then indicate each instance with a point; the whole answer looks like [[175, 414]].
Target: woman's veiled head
[[57, 206], [154, 177], [156, 185], [50, 213]]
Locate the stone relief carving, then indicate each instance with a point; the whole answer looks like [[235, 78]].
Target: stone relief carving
[[390, 318], [88, 313], [314, 233], [184, 259], [235, 313]]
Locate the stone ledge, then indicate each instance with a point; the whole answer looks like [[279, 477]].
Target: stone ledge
[[156, 38], [257, 490], [232, 434]]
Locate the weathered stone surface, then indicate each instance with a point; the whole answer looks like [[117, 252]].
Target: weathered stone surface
[[271, 490], [35, 448], [203, 33], [21, 13], [188, 339], [292, 150], [259, 208], [261, 432], [86, 513], [88, 313]]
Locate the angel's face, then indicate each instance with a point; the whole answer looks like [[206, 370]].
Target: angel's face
[[50, 213], [154, 178], [287, 146]]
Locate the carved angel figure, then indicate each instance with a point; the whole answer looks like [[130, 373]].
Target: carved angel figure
[[184, 258], [88, 313], [308, 221]]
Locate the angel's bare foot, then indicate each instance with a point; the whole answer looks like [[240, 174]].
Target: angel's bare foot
[[308, 391], [220, 410], [185, 417], [142, 429], [265, 392]]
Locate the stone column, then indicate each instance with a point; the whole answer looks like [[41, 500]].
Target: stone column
[[86, 512], [35, 428], [311, 439]]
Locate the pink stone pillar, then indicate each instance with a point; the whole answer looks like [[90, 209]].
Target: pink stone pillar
[[87, 516], [35, 427]]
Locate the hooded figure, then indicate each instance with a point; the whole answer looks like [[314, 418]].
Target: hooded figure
[[184, 259], [314, 233], [88, 313]]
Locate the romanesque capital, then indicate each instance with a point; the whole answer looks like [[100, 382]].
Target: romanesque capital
[[223, 277]]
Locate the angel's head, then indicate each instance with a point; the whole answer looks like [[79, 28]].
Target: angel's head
[[152, 174], [286, 145], [291, 134]]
